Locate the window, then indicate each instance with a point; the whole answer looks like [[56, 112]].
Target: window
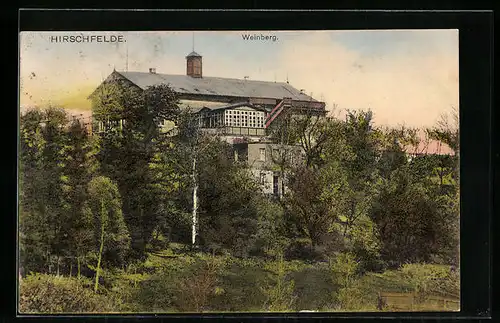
[[275, 185], [262, 154], [262, 178]]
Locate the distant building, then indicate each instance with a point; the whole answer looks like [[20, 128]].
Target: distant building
[[240, 110], [427, 146]]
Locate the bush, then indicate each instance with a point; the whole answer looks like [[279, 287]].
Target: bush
[[198, 285], [429, 279], [301, 249], [313, 287], [353, 298], [41, 293], [239, 283], [270, 238], [185, 284], [155, 294], [281, 291], [345, 269]]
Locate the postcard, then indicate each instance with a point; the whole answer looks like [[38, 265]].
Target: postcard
[[239, 171]]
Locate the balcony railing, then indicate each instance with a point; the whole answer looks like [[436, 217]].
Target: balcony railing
[[287, 103], [238, 131]]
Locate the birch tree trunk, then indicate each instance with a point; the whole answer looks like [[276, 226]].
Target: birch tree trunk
[[98, 268], [195, 202], [58, 261], [78, 265]]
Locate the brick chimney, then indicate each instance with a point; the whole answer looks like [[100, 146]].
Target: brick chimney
[[194, 65]]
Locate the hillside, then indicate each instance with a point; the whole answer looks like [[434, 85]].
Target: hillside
[[173, 280]]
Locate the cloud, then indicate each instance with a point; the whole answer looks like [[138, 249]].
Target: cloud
[[412, 80], [413, 86]]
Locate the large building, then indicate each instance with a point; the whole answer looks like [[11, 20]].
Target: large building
[[240, 110], [233, 103]]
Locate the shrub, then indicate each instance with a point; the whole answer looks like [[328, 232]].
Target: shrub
[[240, 283], [345, 269], [185, 284], [281, 292], [41, 293], [270, 238], [353, 299], [345, 275], [301, 249], [430, 279], [155, 294], [197, 285], [313, 287]]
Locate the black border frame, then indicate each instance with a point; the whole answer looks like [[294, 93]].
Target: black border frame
[[476, 89]]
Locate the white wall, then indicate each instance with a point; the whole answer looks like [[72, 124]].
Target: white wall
[[236, 117]]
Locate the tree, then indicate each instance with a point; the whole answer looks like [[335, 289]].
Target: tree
[[315, 200], [228, 196], [80, 165], [447, 130], [356, 147], [54, 132], [110, 232], [343, 153], [308, 130], [363, 140], [447, 170], [169, 182], [409, 219], [393, 156], [44, 208], [129, 144], [34, 231]]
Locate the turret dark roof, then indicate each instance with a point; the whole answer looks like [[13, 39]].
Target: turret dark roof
[[193, 54]]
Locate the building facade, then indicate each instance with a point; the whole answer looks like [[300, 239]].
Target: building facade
[[240, 110], [267, 161]]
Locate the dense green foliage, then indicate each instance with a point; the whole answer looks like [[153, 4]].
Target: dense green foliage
[[173, 281], [111, 206], [41, 293]]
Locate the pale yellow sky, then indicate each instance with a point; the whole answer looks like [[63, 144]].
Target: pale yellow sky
[[408, 77]]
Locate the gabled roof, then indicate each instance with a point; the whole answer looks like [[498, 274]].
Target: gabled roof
[[430, 147], [218, 86], [193, 54]]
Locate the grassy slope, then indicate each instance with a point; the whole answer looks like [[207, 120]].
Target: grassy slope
[[152, 286], [241, 280], [433, 281]]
